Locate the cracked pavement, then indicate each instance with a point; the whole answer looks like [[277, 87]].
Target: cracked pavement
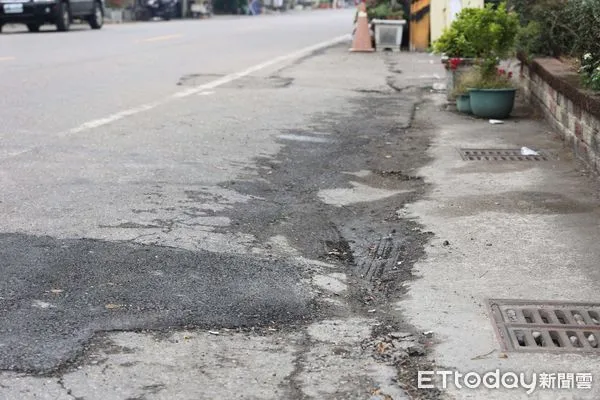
[[240, 243], [305, 230]]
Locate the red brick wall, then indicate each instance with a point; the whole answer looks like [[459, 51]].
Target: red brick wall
[[579, 128]]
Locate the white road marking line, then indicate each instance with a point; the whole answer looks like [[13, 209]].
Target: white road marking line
[[206, 93], [111, 118], [205, 87]]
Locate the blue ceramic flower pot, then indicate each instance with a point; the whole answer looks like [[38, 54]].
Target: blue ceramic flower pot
[[463, 103], [492, 103]]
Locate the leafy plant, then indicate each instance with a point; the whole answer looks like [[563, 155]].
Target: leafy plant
[[396, 14], [564, 27], [377, 9], [466, 81], [529, 40], [487, 32], [484, 77], [454, 43], [590, 71], [380, 11]]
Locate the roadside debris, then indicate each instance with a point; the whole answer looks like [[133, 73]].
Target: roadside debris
[[512, 315], [439, 86], [526, 151], [400, 335], [592, 340], [446, 243], [377, 395], [574, 340], [213, 332], [496, 121], [416, 350], [578, 318], [42, 304], [396, 347], [483, 356]]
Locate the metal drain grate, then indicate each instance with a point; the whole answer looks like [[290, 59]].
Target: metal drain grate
[[499, 155], [556, 327]]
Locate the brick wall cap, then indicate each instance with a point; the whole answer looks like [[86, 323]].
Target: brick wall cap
[[561, 77]]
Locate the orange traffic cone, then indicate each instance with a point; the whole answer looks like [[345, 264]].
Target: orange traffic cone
[[362, 36]]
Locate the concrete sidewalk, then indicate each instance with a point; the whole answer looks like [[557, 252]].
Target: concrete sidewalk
[[503, 230]]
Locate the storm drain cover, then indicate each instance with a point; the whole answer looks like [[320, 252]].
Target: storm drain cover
[[501, 155], [555, 327]]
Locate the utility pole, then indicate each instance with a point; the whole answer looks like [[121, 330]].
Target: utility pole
[[184, 8]]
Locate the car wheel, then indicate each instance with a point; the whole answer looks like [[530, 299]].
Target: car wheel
[[63, 17], [33, 27], [96, 20]]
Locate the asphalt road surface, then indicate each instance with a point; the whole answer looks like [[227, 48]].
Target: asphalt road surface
[[59, 81], [175, 180]]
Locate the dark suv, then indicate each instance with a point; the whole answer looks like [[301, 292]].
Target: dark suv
[[35, 13]]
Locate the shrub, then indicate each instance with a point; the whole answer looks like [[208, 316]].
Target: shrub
[[482, 78], [559, 27], [562, 28], [590, 70], [487, 32], [380, 11], [383, 10], [529, 40]]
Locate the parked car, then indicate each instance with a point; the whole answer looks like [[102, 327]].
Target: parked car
[[35, 13], [146, 10]]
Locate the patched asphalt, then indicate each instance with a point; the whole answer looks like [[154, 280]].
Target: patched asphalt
[[57, 293]]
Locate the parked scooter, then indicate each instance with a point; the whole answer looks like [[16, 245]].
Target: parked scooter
[[201, 8]]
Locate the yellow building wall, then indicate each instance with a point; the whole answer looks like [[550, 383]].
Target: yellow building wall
[[441, 14]]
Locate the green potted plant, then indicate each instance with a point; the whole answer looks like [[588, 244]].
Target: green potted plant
[[395, 14], [461, 91], [491, 93], [463, 101], [378, 11], [476, 34]]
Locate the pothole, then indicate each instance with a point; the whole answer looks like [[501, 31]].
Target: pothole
[[398, 175]]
